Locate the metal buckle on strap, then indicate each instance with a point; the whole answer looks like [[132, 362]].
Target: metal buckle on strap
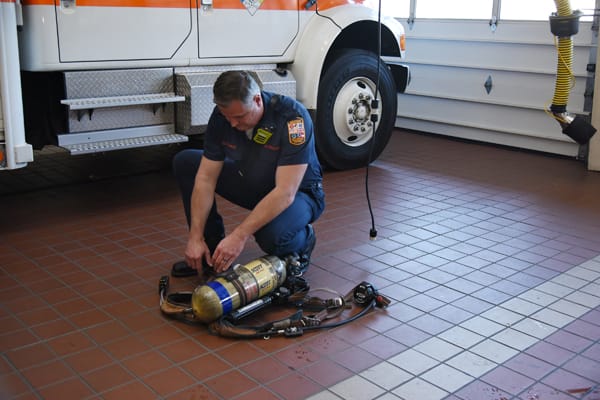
[[336, 302]]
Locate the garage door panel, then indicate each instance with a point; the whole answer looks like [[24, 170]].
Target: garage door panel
[[451, 61], [534, 32], [503, 56], [506, 119], [504, 88], [492, 136]]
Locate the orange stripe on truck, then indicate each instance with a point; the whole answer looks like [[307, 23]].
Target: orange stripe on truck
[[217, 4], [38, 3]]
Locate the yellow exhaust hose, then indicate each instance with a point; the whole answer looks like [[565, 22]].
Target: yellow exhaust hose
[[564, 75], [564, 25]]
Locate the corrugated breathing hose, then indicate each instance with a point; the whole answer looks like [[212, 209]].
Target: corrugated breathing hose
[[564, 25]]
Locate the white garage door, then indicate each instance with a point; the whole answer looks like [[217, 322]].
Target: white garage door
[[486, 69]]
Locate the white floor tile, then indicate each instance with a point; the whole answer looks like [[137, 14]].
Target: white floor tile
[[569, 281], [472, 364], [588, 296], [413, 361], [356, 388], [324, 395], [569, 308], [554, 289], [515, 339], [502, 316], [494, 351], [461, 337], [534, 328], [438, 349], [418, 389], [552, 317], [592, 265], [481, 325], [389, 396], [386, 375], [584, 273], [447, 378], [538, 297]]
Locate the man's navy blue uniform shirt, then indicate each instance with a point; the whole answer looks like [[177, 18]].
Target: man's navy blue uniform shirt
[[283, 136]]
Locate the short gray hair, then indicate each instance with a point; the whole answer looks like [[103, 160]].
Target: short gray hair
[[235, 85]]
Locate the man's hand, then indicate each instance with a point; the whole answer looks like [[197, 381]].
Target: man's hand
[[195, 251], [228, 250]]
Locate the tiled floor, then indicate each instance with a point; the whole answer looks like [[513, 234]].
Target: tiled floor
[[491, 258]]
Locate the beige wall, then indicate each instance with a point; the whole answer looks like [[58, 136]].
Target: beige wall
[[594, 148]]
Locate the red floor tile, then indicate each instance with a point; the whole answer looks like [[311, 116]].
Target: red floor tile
[[568, 382], [132, 390], [205, 366], [531, 367], [507, 380], [29, 356], [294, 386], [169, 381], [48, 373], [266, 369], [71, 389], [230, 384]]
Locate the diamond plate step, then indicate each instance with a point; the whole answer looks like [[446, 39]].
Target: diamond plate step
[[118, 139], [120, 101]]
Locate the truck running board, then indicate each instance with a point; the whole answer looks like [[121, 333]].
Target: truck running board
[[118, 139], [120, 101]]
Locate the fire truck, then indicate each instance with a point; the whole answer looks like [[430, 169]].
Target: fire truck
[[101, 75]]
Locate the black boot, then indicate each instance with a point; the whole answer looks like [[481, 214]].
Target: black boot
[[304, 256], [182, 269]]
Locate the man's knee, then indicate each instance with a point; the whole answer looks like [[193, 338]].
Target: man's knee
[[278, 242], [186, 161]]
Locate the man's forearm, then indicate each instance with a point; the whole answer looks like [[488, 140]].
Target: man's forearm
[[200, 207], [273, 204], [203, 196]]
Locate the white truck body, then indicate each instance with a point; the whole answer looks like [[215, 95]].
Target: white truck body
[[99, 75]]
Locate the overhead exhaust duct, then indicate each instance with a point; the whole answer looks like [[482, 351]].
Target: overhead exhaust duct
[[564, 24]]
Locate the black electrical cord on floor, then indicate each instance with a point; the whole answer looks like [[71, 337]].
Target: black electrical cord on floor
[[374, 119]]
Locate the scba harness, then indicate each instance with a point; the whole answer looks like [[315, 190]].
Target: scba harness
[[224, 301]]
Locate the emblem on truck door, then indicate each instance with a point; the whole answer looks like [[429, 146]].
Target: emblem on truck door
[[252, 5]]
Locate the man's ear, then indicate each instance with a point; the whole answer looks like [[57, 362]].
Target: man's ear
[[258, 99]]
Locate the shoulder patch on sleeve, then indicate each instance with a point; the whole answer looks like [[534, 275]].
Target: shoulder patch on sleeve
[[296, 132]]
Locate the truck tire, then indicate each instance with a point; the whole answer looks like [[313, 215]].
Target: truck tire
[[345, 138]]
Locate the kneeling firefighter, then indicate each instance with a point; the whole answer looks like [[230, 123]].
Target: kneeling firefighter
[[226, 299]]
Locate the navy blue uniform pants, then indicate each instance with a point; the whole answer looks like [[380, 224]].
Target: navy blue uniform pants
[[285, 234]]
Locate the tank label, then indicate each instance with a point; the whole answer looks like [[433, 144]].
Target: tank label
[[248, 286], [265, 276], [223, 295]]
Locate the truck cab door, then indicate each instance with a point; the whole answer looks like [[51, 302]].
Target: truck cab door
[[108, 30], [246, 28]]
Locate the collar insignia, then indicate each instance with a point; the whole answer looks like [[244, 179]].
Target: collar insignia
[[262, 136]]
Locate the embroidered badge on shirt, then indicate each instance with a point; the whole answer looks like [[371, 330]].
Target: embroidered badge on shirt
[[262, 136], [296, 131]]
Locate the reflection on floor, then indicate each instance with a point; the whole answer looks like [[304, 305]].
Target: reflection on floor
[[491, 258]]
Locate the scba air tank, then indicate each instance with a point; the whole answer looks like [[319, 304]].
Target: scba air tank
[[240, 286]]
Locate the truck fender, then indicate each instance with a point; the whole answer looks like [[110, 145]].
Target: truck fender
[[318, 38]]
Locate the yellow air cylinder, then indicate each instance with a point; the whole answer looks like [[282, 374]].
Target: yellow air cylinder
[[242, 285]]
